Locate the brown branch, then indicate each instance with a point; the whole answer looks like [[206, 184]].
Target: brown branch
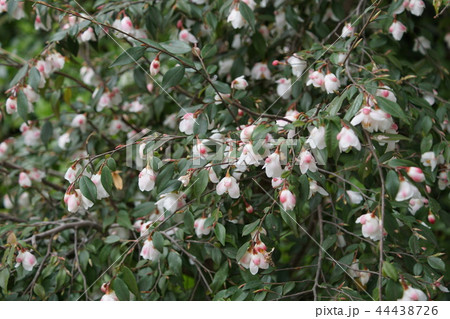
[[59, 229]]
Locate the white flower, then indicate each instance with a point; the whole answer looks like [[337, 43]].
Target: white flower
[[63, 140], [31, 135], [430, 98], [27, 260], [307, 162], [276, 182], [199, 150], [24, 180], [11, 105], [413, 294], [443, 181], [354, 197], [298, 66], [111, 296], [315, 188], [185, 179], [116, 126], [147, 178], [186, 36], [284, 88], [406, 191], [149, 251], [416, 203], [56, 61], [347, 30], [248, 156], [261, 71], [225, 66], [416, 7], [402, 7], [200, 229], [239, 83], [251, 4], [347, 138], [73, 201], [331, 83], [429, 159], [246, 133], [316, 78], [291, 115], [371, 227], [316, 138], [287, 199], [397, 29], [36, 175], [126, 25], [87, 35], [228, 185], [101, 192], [88, 76], [421, 44], [7, 203], [187, 123], [171, 121], [416, 174], [155, 66], [273, 165], [212, 174], [171, 202], [31, 95], [80, 121], [387, 93], [236, 18]]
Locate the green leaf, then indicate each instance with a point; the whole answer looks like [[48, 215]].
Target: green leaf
[[353, 109], [222, 87], [392, 108], [130, 281], [173, 77], [390, 271], [121, 289], [22, 105], [174, 261], [112, 239], [131, 55], [143, 209], [111, 163], [19, 75], [209, 51], [39, 291], [88, 188], [248, 14], [124, 220], [46, 132], [176, 46], [250, 227], [241, 251], [436, 263], [392, 183], [158, 241], [34, 78], [106, 179], [220, 232], [188, 220], [4, 278], [336, 104], [201, 182]]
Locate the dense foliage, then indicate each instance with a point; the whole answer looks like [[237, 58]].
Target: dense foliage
[[224, 150]]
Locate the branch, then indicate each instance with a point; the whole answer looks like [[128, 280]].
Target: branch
[[319, 262], [64, 227]]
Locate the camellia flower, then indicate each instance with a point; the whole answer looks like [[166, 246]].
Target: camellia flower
[[397, 29], [31, 95], [429, 159], [63, 140], [11, 105], [261, 71], [147, 178], [284, 88], [73, 201], [229, 185], [87, 35], [239, 83], [412, 294], [317, 79], [406, 191], [331, 83], [31, 135], [187, 124], [443, 181], [101, 191], [249, 156], [149, 251], [155, 66], [171, 202], [315, 188], [416, 174], [246, 133], [186, 36], [356, 273], [116, 126], [416, 203], [36, 175], [316, 138], [387, 93], [24, 180], [421, 44], [347, 30], [307, 162], [354, 197], [200, 229], [80, 121], [273, 165], [347, 138], [431, 217], [416, 7], [371, 227], [287, 199], [200, 150], [26, 259], [236, 18], [126, 25], [298, 66]]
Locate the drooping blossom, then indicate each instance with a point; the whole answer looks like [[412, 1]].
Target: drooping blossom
[[307, 162], [26, 259], [147, 178], [354, 197], [149, 252], [371, 227], [239, 83], [187, 124], [332, 83], [287, 199], [200, 229], [429, 159], [397, 29], [228, 185], [316, 138], [347, 139], [273, 166]]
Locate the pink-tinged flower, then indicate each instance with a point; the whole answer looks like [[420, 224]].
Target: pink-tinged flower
[[298, 66], [406, 191], [187, 124], [260, 71], [63, 140], [284, 88], [149, 251], [236, 18], [171, 202], [239, 83], [36, 175], [356, 273], [3, 148], [155, 66], [11, 105], [56, 60], [3, 6], [397, 29], [26, 259], [273, 165], [246, 133], [251, 3], [258, 261], [31, 95], [431, 218], [291, 115], [87, 35], [185, 179], [73, 202], [7, 203], [315, 188], [347, 138], [421, 44], [387, 93], [212, 174], [186, 36], [307, 162], [101, 191], [116, 126], [354, 197], [287, 199], [248, 157], [443, 181], [316, 138], [200, 229], [88, 76], [416, 7], [126, 25], [80, 121], [402, 7], [331, 83], [429, 159], [416, 203], [416, 174], [371, 227], [31, 135], [276, 182], [317, 79], [413, 294], [347, 31], [200, 150], [111, 296], [147, 178], [24, 180], [44, 68], [229, 185], [364, 118]]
